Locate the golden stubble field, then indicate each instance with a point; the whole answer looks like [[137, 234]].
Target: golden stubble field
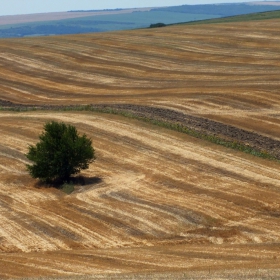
[[226, 72], [155, 201]]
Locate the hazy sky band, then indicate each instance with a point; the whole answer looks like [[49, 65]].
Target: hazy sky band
[[14, 7]]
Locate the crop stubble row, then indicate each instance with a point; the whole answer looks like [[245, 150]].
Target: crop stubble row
[[155, 190], [225, 72], [159, 195]]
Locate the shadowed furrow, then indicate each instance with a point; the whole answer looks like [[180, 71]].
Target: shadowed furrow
[[155, 200]]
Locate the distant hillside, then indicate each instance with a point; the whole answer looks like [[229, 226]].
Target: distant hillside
[[241, 18], [48, 17], [220, 10], [77, 22]]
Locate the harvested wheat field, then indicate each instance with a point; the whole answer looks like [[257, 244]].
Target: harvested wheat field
[[154, 200], [225, 72], [156, 204]]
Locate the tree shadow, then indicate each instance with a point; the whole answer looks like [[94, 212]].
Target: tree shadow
[[85, 181], [77, 181]]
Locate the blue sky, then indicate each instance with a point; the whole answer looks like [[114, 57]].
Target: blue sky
[[14, 7]]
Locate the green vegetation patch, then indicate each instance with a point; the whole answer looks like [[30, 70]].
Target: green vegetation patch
[[194, 133], [236, 145], [241, 18], [68, 188]]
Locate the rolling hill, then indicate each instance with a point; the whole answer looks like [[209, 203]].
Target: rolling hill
[[157, 203], [76, 22]]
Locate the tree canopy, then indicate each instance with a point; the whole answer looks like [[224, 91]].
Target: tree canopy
[[60, 153]]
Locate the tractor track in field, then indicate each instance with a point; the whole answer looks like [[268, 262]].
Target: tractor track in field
[[153, 195], [199, 124], [157, 203]]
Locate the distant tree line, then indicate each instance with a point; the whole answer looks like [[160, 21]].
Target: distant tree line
[[155, 25]]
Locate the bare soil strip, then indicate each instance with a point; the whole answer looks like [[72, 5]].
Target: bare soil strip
[[206, 126]]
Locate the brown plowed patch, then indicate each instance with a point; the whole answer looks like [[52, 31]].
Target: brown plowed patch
[[155, 201], [201, 125]]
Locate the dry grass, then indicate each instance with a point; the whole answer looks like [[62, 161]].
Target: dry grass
[[155, 202], [227, 72], [151, 197]]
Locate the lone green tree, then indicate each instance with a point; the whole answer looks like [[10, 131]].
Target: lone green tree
[[60, 153]]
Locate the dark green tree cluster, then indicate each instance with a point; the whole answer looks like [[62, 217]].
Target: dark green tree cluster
[[60, 153], [156, 25]]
